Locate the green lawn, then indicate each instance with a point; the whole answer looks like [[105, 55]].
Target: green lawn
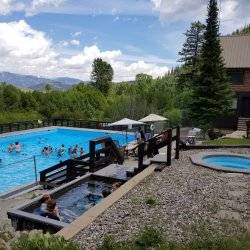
[[227, 141]]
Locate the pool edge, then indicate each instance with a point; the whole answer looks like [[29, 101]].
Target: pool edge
[[197, 159]]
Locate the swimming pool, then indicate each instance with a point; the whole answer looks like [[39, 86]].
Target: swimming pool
[[223, 161], [17, 169]]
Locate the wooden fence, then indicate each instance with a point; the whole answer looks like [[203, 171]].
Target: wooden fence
[[18, 126]]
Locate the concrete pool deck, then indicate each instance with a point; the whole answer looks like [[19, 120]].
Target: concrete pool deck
[[198, 159]]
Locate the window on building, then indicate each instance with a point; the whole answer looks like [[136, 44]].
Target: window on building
[[236, 76]]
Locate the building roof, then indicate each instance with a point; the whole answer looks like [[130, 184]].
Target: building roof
[[236, 51]]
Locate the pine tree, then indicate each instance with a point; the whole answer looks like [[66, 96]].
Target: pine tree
[[192, 46], [190, 53], [212, 96]]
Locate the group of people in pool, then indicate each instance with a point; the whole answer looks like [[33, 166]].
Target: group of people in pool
[[73, 151], [48, 207], [14, 147]]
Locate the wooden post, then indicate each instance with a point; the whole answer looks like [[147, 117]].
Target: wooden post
[[177, 147], [91, 156], [169, 147], [140, 155]]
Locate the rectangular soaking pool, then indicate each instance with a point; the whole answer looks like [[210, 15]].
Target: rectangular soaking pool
[[17, 169], [73, 199]]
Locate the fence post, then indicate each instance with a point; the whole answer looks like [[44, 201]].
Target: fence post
[[140, 155], [177, 141], [35, 169], [169, 147]]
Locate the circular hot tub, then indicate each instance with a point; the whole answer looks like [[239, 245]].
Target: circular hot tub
[[223, 161]]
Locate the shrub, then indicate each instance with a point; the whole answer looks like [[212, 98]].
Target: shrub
[[38, 241], [151, 201]]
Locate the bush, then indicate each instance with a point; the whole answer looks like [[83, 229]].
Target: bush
[[151, 201], [38, 241]]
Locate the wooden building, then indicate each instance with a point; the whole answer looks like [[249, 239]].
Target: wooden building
[[236, 54]]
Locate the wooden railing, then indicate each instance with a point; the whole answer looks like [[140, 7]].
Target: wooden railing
[[96, 159], [151, 147], [24, 125]]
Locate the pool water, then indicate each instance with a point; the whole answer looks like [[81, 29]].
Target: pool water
[[238, 162], [17, 169], [76, 201]]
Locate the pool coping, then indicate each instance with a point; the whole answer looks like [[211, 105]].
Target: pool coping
[[90, 215], [197, 159]]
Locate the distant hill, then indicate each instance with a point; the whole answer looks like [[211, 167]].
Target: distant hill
[[243, 31], [37, 83]]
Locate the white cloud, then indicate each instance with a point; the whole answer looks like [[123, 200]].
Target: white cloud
[[233, 13], [77, 33], [75, 42], [28, 51], [24, 49], [5, 7], [38, 5]]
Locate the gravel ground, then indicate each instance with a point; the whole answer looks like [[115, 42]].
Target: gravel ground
[[190, 201]]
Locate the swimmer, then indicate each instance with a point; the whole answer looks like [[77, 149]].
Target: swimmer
[[61, 151], [81, 152], [11, 147], [17, 147]]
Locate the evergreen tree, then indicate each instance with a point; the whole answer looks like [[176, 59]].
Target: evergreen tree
[[190, 53], [212, 96], [102, 75], [192, 46]]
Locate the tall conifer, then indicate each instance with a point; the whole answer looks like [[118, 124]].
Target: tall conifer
[[212, 96]]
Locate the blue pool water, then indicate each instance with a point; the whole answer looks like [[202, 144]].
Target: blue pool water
[[229, 161], [78, 200], [17, 169]]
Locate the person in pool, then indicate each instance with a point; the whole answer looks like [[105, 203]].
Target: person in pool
[[44, 201], [81, 152], [61, 151], [17, 147], [53, 212], [11, 147]]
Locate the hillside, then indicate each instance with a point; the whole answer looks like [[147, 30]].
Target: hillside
[[37, 83]]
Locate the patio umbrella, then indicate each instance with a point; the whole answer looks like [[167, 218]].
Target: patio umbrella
[[153, 118], [126, 122]]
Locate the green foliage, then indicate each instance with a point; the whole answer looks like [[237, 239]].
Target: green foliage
[[38, 241], [151, 201], [102, 75], [175, 116], [151, 238], [243, 31], [190, 54], [128, 99], [212, 96], [6, 117]]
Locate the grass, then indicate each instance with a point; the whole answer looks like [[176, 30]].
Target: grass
[[151, 201], [151, 238], [227, 141]]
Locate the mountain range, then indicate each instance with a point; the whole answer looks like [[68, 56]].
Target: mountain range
[[37, 83]]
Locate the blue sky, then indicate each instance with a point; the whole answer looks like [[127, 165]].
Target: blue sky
[[62, 37]]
